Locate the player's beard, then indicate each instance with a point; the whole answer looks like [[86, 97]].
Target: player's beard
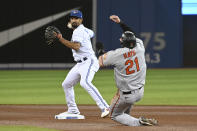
[[75, 25]]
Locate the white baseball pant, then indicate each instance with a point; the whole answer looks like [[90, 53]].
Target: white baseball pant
[[84, 73]]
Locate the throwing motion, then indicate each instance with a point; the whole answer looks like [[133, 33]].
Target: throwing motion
[[84, 70]]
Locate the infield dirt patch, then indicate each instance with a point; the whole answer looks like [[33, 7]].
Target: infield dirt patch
[[171, 118]]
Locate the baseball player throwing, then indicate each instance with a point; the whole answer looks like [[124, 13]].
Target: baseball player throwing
[[84, 70], [130, 72]]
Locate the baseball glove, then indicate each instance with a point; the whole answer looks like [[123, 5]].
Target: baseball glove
[[99, 49], [51, 34]]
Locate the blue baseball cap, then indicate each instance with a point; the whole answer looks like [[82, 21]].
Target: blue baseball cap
[[76, 13]]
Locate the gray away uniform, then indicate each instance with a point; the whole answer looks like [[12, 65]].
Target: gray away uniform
[[130, 73]]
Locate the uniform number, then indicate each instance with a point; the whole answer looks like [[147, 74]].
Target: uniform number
[[129, 64]]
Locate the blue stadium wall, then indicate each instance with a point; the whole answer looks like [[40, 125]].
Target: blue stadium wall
[[157, 22]]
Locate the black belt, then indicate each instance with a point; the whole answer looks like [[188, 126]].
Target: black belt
[[84, 59], [130, 92]]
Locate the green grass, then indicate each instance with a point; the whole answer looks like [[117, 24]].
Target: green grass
[[24, 128], [163, 87], [171, 87]]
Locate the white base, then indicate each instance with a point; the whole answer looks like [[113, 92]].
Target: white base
[[69, 116]]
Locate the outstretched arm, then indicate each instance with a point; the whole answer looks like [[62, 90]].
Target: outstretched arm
[[117, 20], [101, 61]]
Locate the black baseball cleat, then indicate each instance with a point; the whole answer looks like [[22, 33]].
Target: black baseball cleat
[[147, 122]]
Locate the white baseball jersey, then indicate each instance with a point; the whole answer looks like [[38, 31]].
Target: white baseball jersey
[[129, 66], [83, 72], [82, 35]]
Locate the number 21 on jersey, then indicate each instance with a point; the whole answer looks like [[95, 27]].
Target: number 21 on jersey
[[129, 65]]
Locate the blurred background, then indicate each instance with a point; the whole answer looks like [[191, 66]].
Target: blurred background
[[167, 27]]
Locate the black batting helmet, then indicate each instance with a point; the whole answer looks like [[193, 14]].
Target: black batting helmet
[[127, 38]]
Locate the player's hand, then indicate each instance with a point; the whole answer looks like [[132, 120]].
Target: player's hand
[[59, 36], [115, 18]]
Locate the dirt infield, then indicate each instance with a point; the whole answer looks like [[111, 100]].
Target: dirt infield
[[171, 118]]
